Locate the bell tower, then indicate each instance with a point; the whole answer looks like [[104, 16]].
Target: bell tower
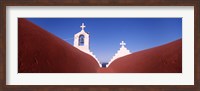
[[81, 41]]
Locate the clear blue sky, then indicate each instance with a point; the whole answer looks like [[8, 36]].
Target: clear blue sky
[[107, 33]]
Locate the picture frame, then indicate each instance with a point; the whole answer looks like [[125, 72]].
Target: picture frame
[[3, 45]]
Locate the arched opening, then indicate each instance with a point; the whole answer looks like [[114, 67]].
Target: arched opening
[[81, 40]]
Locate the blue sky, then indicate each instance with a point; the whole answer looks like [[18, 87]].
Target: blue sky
[[107, 33]]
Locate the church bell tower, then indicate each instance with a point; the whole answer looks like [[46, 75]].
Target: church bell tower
[[81, 41]]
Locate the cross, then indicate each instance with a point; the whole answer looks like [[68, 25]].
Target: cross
[[122, 43], [82, 26]]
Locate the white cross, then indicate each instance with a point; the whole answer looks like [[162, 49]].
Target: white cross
[[82, 26], [122, 43]]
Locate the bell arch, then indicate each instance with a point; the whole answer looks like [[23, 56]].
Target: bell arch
[[81, 40]]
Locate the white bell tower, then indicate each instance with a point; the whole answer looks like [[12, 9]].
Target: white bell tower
[[81, 41]]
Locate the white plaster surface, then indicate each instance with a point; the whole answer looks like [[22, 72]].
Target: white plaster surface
[[123, 51]]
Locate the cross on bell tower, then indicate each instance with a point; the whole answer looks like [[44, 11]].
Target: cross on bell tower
[[82, 26]]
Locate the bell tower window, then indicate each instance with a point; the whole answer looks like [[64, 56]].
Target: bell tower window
[[81, 40]]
